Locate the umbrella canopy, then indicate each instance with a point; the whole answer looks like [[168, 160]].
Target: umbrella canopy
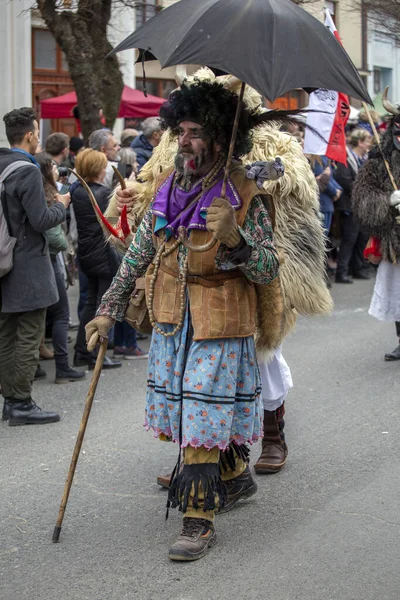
[[133, 105], [273, 45]]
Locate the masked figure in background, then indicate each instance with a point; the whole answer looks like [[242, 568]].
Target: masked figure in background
[[292, 201], [377, 207], [204, 388]]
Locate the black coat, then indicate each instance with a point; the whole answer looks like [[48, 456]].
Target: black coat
[[346, 176], [30, 285], [371, 198], [96, 257], [143, 149]]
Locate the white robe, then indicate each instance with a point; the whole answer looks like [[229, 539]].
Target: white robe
[[385, 303], [276, 380]]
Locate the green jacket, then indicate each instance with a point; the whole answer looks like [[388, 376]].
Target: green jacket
[[57, 239]]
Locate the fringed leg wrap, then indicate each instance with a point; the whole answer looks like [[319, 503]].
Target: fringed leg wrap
[[228, 458], [194, 481]]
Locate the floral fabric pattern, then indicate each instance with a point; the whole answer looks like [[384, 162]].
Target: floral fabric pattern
[[207, 392], [216, 389]]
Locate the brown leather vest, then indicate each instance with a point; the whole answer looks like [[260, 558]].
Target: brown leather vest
[[222, 303]]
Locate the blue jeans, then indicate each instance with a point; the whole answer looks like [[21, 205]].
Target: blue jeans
[[58, 315], [327, 222], [124, 335]]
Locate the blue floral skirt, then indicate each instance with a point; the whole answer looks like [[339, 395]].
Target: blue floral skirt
[[203, 393]]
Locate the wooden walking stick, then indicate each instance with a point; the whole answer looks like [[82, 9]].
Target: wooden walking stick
[[378, 141], [81, 434]]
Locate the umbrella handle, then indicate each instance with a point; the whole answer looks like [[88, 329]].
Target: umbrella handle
[[233, 139]]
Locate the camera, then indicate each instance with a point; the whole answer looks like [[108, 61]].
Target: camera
[[63, 171]]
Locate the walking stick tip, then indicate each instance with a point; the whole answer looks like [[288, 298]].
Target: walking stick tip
[[56, 534]]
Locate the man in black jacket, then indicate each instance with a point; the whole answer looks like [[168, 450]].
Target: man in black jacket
[[144, 143], [30, 287], [353, 240]]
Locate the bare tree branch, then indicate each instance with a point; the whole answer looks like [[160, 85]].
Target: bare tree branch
[[80, 29], [383, 13]]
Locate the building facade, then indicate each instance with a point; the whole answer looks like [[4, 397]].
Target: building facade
[[383, 63], [34, 68], [15, 63]]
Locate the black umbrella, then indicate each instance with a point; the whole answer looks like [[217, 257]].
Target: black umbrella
[[273, 45]]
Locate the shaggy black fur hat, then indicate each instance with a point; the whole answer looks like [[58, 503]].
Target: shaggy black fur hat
[[213, 107]]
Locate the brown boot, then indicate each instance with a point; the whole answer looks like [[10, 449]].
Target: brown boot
[[44, 352], [163, 480], [274, 449], [197, 536]]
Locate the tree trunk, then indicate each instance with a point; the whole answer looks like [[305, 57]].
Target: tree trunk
[[82, 36]]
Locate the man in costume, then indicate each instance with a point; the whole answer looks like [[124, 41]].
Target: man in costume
[[376, 205], [204, 388], [293, 205], [301, 289]]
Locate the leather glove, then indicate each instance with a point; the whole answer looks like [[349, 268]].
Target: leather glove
[[221, 221], [126, 198], [263, 171], [97, 328], [395, 199]]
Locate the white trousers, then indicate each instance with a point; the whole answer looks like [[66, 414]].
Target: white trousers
[[276, 380]]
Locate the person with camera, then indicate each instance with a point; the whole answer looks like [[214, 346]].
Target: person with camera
[[30, 287], [58, 314]]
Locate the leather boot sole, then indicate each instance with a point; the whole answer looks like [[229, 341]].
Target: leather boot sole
[[392, 357], [185, 556], [60, 380], [163, 481], [269, 469], [17, 422]]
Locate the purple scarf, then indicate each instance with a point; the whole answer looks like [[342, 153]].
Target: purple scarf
[[170, 202]]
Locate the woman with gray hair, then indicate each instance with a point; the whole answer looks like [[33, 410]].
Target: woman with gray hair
[[128, 164]]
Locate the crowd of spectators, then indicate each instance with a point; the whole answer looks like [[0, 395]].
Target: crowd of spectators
[[48, 211], [345, 240], [36, 205]]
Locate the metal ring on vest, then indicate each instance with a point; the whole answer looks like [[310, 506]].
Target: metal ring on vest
[[185, 241]]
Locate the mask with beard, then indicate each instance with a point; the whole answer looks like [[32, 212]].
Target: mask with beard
[[188, 162]]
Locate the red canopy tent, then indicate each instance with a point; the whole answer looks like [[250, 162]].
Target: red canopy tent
[[134, 104]]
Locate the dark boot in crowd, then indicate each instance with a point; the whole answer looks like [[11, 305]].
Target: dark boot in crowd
[[395, 355], [239, 488], [196, 537], [364, 274], [83, 360], [343, 279], [26, 412], [40, 373], [274, 449], [68, 375]]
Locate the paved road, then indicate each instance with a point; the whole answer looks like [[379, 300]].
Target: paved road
[[326, 528]]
